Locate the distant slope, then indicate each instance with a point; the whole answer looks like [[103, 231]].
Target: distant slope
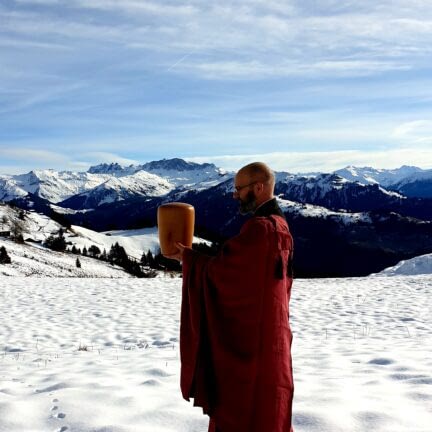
[[414, 266]]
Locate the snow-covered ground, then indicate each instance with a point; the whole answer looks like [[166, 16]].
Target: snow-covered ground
[[102, 355]]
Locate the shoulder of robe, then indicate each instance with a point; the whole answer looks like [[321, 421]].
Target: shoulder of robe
[[258, 226]]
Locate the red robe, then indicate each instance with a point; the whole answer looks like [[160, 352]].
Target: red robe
[[235, 339]]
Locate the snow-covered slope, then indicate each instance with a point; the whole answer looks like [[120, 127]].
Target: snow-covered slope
[[135, 242], [37, 228], [31, 260], [33, 226], [414, 266], [314, 211]]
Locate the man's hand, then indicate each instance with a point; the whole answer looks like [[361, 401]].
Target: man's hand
[[179, 255]]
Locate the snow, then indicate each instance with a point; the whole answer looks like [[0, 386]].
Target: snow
[[116, 189], [33, 260], [55, 186], [135, 242], [111, 183], [38, 227], [102, 355], [414, 266], [314, 211], [384, 177]]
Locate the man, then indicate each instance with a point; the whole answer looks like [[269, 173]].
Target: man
[[235, 339]]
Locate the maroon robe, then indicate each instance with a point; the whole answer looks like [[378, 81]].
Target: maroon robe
[[235, 339]]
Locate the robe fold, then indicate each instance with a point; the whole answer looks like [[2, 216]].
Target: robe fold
[[235, 338]]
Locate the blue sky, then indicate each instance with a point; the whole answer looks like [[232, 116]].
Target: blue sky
[[305, 85]]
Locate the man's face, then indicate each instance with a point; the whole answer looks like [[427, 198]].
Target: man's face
[[245, 194]]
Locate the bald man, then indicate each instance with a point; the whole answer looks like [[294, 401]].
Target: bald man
[[235, 338]]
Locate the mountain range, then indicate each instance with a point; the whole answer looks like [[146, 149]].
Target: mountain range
[[354, 221]]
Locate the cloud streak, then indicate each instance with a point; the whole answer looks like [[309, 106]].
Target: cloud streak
[[306, 162]]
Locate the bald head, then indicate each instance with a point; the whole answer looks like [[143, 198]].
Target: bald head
[[261, 180], [260, 172]]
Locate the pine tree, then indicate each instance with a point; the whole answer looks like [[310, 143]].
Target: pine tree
[[56, 243], [143, 260], [4, 257], [117, 255], [78, 263], [84, 251], [150, 259], [94, 251]]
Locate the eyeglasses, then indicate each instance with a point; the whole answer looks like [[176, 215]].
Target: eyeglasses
[[237, 189]]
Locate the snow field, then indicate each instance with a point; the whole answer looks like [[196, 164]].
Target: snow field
[[102, 355], [362, 354]]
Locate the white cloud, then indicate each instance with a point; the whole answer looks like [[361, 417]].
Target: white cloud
[[417, 131], [36, 156], [302, 162], [257, 70], [106, 157]]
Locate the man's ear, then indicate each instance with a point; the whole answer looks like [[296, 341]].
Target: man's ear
[[260, 188]]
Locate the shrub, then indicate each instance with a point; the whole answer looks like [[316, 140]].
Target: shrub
[[4, 257], [56, 243]]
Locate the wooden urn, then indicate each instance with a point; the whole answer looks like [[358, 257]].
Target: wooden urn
[[176, 223]]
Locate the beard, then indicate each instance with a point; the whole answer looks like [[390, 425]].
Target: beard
[[248, 204]]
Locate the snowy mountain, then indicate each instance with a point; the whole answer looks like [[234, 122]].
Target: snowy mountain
[[140, 184], [113, 169], [51, 185], [108, 183], [383, 177], [408, 180], [188, 174], [336, 192]]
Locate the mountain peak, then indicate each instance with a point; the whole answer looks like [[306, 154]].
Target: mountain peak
[[175, 164], [106, 168]]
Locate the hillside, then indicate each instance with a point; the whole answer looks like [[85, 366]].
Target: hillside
[[30, 260]]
